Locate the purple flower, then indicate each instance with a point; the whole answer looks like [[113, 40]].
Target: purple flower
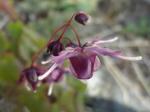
[[54, 77], [29, 77], [84, 59]]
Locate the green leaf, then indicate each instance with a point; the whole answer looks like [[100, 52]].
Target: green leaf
[[15, 29], [8, 69], [76, 84], [4, 45]]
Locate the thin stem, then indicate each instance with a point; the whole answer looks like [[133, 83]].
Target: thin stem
[[76, 34], [35, 56], [57, 30], [67, 25]]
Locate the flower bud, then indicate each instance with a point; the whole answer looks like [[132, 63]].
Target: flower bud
[[82, 18], [30, 76], [55, 47]]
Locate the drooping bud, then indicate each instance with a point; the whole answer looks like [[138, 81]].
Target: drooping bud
[[82, 18], [55, 47], [30, 77]]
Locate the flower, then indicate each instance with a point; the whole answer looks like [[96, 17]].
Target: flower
[[29, 77], [54, 77], [84, 59]]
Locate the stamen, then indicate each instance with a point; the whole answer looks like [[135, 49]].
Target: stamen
[[47, 73], [107, 41], [50, 90], [130, 58], [67, 25]]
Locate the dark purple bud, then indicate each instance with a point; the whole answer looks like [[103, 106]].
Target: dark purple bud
[[81, 18], [30, 75], [55, 47]]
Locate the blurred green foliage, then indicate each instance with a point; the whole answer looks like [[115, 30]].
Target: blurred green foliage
[[52, 13], [140, 27]]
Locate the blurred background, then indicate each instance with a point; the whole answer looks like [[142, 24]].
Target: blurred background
[[118, 86]]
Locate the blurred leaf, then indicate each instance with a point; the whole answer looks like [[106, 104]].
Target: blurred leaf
[[15, 29], [68, 97], [8, 69], [4, 45], [30, 43], [140, 27], [76, 84]]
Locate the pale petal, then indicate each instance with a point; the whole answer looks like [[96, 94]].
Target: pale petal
[[106, 41], [129, 58], [47, 73], [64, 55], [97, 64], [102, 51], [112, 53], [46, 62], [98, 41]]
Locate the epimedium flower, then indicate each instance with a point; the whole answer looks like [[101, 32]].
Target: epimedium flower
[[29, 76], [54, 77], [84, 59]]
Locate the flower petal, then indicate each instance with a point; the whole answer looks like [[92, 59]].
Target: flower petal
[[55, 76], [102, 51], [98, 41], [81, 66], [106, 41], [136, 58], [48, 72], [112, 53], [66, 54], [97, 64]]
